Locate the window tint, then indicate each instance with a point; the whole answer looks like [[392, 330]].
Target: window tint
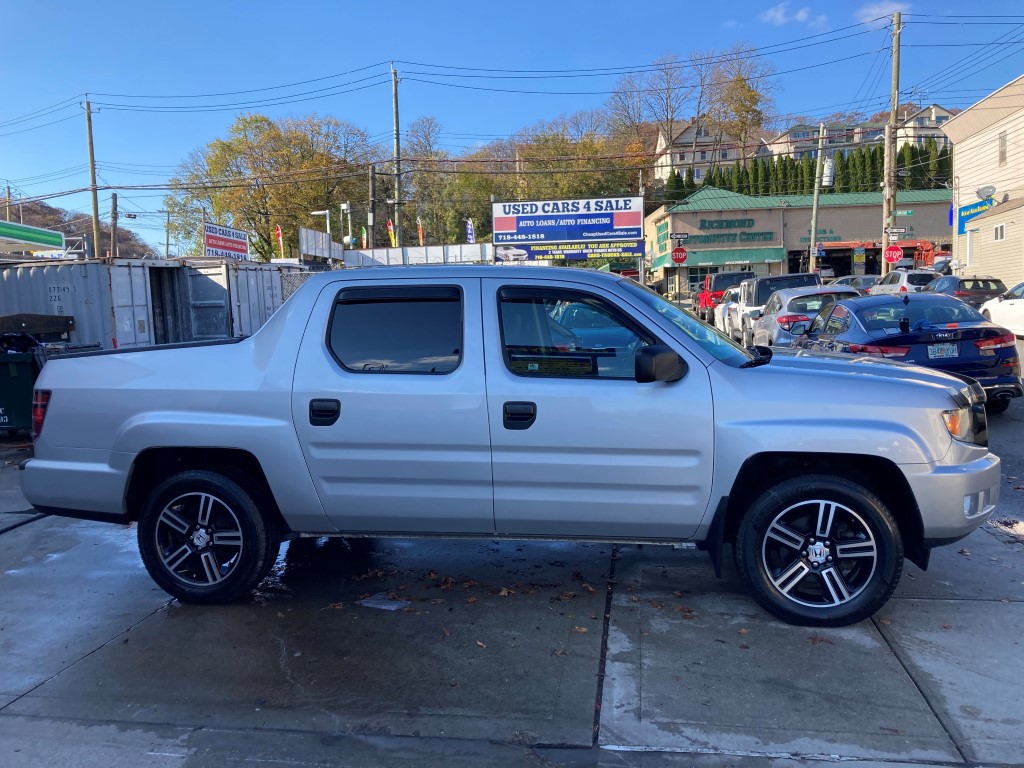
[[767, 287], [818, 324], [982, 285], [919, 278], [807, 305], [566, 334], [1017, 291], [397, 330]]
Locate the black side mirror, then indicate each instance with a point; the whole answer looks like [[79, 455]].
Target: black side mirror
[[799, 329], [659, 363]]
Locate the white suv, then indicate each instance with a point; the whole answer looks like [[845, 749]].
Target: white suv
[[903, 281]]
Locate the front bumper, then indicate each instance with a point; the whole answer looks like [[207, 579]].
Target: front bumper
[[954, 499]]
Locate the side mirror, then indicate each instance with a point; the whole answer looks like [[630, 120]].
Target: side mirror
[[1001, 296], [799, 329], [754, 314], [659, 363]]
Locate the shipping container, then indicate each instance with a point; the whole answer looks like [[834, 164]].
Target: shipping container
[[124, 304]]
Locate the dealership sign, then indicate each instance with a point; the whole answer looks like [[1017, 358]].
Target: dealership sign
[[967, 212], [596, 227], [225, 242]]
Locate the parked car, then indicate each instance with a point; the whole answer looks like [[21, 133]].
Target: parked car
[[789, 306], [927, 329], [970, 290], [825, 272], [725, 312], [1007, 310], [754, 295], [437, 402], [902, 281], [943, 265], [717, 283], [859, 282]]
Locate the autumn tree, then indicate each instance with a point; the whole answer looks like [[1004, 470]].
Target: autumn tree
[[271, 172]]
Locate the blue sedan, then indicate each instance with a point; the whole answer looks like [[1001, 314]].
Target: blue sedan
[[932, 330]]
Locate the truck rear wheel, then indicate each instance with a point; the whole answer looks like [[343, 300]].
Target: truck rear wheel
[[819, 550], [203, 538]]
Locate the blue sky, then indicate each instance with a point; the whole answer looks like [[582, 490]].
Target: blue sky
[[828, 59]]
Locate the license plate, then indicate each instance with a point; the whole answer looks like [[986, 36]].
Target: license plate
[[942, 351]]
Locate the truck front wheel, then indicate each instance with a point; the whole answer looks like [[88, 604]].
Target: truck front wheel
[[819, 550], [203, 539]]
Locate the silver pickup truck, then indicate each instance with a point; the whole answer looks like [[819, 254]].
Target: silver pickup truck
[[514, 402]]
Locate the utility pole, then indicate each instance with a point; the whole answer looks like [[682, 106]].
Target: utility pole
[[92, 181], [113, 225], [889, 185], [8, 199], [167, 237], [398, 160], [819, 166], [371, 208]]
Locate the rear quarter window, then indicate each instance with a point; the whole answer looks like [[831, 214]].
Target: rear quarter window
[[983, 285]]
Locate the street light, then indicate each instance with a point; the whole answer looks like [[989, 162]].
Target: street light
[[326, 213], [347, 210]]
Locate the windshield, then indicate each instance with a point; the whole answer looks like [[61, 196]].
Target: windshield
[[766, 288], [920, 278], [710, 339], [814, 302]]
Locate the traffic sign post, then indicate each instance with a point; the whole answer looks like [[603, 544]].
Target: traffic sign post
[[892, 254], [903, 213], [683, 236], [896, 230], [679, 255]]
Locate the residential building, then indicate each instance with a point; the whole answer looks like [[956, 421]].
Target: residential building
[[924, 124], [988, 184], [696, 144], [802, 139]]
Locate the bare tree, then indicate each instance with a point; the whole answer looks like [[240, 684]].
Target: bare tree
[[668, 86], [625, 107]]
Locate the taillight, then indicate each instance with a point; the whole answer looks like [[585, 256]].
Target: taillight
[[40, 399], [786, 321], [903, 289], [990, 345], [961, 293], [874, 349]]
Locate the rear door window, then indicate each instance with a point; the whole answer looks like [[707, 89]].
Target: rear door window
[[919, 278], [414, 330]]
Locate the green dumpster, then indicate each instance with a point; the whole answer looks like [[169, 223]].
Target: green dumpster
[[17, 377]]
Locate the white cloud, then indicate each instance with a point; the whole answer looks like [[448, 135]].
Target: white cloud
[[883, 8], [779, 15], [730, 24]]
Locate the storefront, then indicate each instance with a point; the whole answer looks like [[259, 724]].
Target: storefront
[[722, 230]]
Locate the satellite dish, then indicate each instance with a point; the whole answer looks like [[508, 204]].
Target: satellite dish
[[984, 193]]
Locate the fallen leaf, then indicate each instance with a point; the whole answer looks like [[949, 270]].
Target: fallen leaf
[[683, 609], [964, 551], [580, 630], [818, 640], [445, 632], [743, 631], [744, 647], [589, 588], [447, 583], [337, 606], [679, 594], [410, 609], [469, 583], [689, 616], [472, 599], [577, 574], [947, 626], [634, 599], [655, 604], [432, 575], [437, 601], [505, 592], [482, 645], [559, 652], [567, 596], [887, 622]]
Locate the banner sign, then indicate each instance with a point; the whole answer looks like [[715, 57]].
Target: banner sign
[[626, 249], [599, 224], [968, 212], [224, 242], [470, 231]]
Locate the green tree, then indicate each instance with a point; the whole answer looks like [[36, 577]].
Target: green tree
[[840, 173], [675, 188], [690, 186], [807, 170]]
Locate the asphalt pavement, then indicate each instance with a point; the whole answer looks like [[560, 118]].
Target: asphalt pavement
[[471, 653]]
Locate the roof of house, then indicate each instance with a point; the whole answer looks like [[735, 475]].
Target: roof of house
[[712, 199]]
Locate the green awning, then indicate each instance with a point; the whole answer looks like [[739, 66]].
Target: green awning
[[720, 257], [665, 260], [20, 237]]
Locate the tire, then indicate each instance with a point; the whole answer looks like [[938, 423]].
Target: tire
[[203, 538], [839, 579], [997, 406]]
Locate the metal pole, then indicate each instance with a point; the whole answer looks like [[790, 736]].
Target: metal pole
[[398, 161], [8, 198], [92, 181], [371, 209], [818, 169], [167, 237], [889, 189], [113, 225]]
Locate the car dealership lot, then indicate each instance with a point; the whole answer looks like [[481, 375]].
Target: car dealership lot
[[503, 653]]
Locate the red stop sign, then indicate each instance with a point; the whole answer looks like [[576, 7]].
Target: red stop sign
[[679, 255], [893, 253]]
